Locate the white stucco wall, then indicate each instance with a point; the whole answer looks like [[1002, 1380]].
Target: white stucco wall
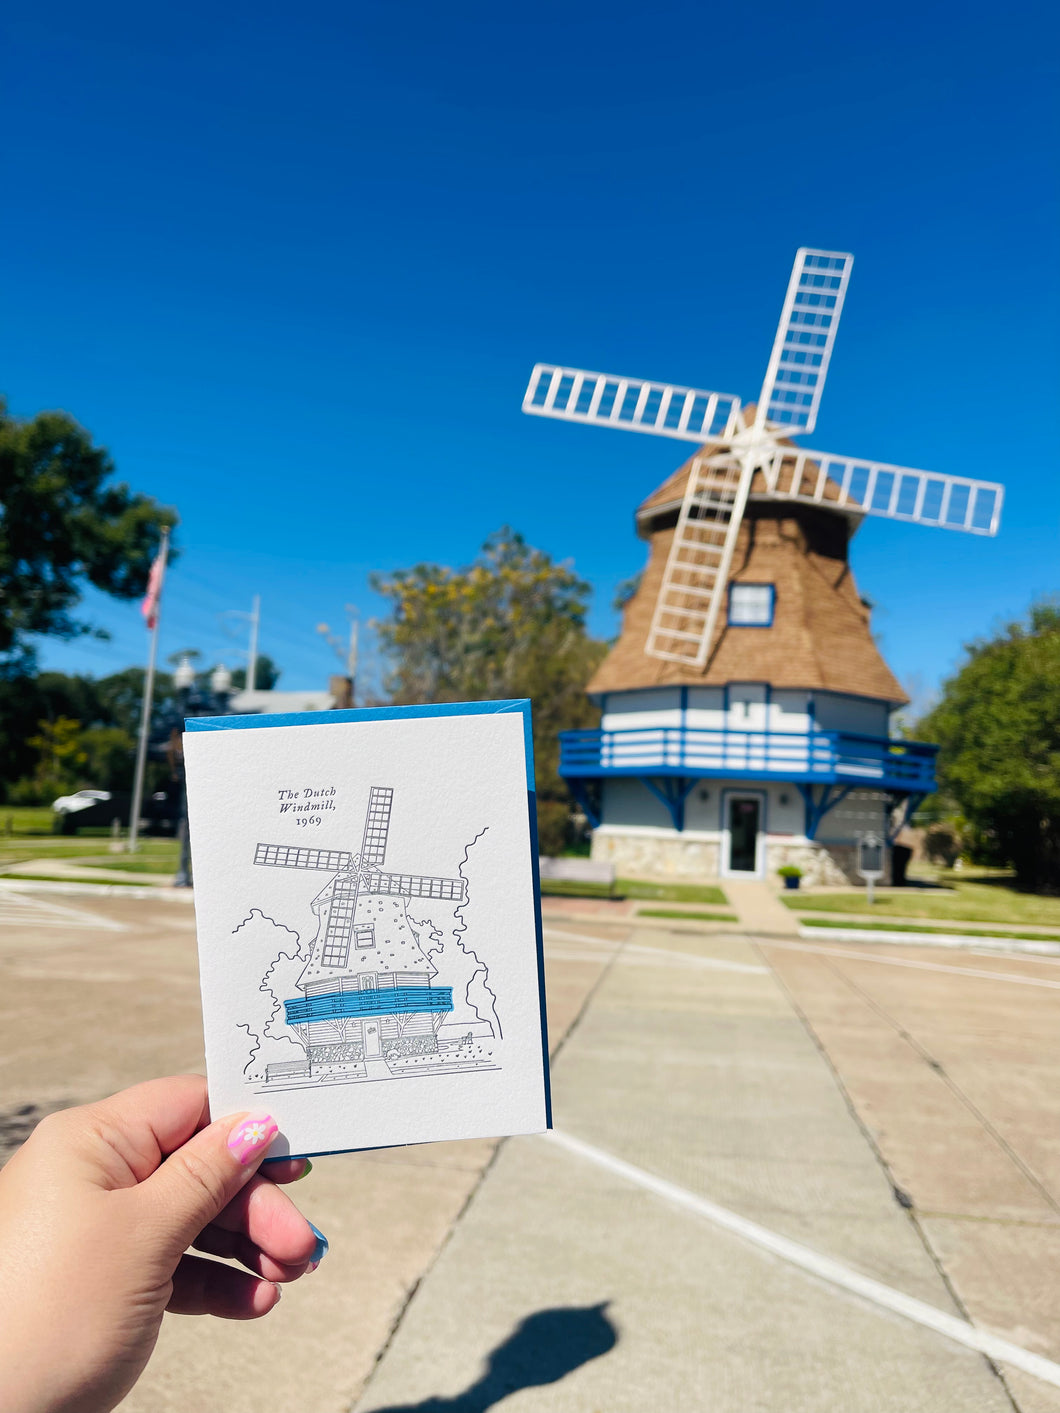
[[834, 712], [751, 706], [627, 711], [629, 804], [862, 812]]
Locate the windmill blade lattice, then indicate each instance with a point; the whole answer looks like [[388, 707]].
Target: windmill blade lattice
[[802, 349], [894, 492], [631, 404], [697, 567], [290, 856], [376, 826]]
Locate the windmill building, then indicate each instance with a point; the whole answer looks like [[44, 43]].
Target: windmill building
[[367, 990], [745, 707]]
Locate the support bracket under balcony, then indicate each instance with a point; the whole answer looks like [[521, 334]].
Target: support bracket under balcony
[[819, 799], [902, 811], [672, 791], [587, 798]]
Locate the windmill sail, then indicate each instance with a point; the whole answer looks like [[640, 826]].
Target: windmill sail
[[794, 381], [342, 909], [415, 885], [631, 404], [290, 856], [376, 826], [894, 492], [697, 568]]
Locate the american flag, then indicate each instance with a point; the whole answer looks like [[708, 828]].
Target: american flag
[[149, 606]]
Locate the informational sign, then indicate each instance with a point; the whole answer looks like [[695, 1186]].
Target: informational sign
[[870, 860]]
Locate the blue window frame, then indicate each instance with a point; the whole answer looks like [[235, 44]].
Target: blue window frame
[[751, 605]]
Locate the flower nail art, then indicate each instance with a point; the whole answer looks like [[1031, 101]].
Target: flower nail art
[[252, 1136]]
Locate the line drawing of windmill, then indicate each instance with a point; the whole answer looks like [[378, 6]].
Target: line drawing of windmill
[[367, 993], [700, 559], [745, 707]]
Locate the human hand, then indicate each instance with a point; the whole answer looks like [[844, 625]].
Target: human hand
[[97, 1210]]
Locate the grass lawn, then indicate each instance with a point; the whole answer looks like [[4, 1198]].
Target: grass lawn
[[64, 878], [677, 912], [634, 888], [918, 928], [152, 856], [26, 819], [966, 897]]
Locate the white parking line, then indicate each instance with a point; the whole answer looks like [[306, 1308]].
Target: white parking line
[[915, 965], [817, 1264], [711, 963], [40, 912]]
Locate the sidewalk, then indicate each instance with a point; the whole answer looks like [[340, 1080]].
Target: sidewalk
[[567, 1288]]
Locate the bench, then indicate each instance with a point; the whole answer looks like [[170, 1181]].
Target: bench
[[578, 871]]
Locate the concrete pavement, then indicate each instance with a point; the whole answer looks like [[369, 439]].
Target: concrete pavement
[[897, 1119]]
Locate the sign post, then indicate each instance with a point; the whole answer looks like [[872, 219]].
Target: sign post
[[870, 861]]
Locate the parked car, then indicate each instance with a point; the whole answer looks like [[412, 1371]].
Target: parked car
[[99, 808]]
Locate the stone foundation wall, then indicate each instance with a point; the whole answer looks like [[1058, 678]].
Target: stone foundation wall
[[820, 863], [657, 856], [412, 1045], [698, 860]]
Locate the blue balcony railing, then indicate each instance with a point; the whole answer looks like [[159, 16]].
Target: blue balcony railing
[[814, 757]]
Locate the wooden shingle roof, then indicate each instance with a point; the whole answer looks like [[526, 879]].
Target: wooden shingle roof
[[820, 637]]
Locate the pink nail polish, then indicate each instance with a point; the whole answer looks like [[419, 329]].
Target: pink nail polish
[[251, 1136]]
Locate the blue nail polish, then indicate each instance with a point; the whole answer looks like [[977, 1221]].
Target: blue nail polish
[[320, 1250]]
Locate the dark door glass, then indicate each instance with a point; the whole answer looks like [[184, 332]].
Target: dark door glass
[[743, 827]]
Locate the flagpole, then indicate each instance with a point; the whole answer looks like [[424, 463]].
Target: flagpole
[[145, 709]]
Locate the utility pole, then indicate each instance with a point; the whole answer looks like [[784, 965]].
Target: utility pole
[[346, 655], [351, 661], [252, 659]]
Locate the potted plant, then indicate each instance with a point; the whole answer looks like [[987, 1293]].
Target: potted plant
[[790, 873]]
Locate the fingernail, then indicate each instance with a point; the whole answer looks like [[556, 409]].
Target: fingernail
[[320, 1250], [251, 1136], [311, 1267], [306, 1172]]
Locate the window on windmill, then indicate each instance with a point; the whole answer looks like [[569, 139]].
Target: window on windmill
[[751, 605], [364, 934]]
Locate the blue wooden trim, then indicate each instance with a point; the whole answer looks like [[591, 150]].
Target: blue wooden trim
[[393, 1001], [911, 805], [672, 791], [813, 757], [818, 806], [581, 795], [389, 713], [746, 585]]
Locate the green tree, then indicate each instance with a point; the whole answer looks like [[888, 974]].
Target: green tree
[[510, 624], [64, 524], [998, 724], [266, 675], [60, 759]]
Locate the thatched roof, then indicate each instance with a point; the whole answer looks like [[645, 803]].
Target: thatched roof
[[820, 637]]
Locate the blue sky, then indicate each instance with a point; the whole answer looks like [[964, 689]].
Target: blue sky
[[292, 265]]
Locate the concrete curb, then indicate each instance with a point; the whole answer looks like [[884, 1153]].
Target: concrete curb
[[97, 890], [933, 939]]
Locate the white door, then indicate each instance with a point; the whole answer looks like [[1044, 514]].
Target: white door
[[373, 1049]]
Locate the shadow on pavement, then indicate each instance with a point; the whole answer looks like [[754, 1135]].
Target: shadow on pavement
[[542, 1349]]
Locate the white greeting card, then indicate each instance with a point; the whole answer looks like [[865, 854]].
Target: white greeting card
[[369, 923]]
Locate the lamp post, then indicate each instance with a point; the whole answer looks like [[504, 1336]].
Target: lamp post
[[193, 701]]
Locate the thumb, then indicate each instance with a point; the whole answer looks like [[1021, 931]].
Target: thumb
[[196, 1182]]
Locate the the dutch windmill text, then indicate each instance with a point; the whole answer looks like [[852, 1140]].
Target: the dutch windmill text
[[394, 982], [307, 805]]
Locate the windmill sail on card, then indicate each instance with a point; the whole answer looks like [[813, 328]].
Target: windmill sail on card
[[380, 984]]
